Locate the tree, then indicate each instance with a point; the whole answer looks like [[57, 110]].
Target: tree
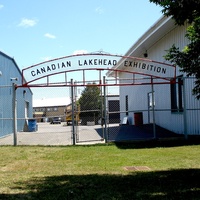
[[188, 59], [90, 103]]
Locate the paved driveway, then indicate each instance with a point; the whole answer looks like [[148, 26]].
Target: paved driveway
[[60, 134], [54, 134]]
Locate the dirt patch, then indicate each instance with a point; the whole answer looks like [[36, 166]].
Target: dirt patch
[[137, 168]]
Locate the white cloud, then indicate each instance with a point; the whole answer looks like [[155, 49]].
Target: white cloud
[[27, 22], [46, 58], [48, 35], [1, 6], [80, 52], [44, 102], [99, 10]]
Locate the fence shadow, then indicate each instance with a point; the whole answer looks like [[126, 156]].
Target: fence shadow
[[172, 184], [170, 142], [132, 133]]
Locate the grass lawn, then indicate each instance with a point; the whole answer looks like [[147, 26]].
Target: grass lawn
[[98, 172]]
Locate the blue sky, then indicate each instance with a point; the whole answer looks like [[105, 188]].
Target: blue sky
[[33, 31]]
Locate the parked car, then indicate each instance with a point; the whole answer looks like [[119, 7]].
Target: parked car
[[56, 120]]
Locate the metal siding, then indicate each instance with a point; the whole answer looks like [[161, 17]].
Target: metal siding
[[176, 36], [164, 117], [193, 109], [10, 70]]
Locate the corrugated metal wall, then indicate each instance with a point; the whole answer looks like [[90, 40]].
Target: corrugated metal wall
[[192, 108], [186, 121], [179, 122], [10, 70]]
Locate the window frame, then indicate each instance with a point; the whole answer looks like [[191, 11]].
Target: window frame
[[176, 93]]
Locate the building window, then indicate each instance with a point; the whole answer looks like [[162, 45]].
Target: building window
[[26, 109], [55, 109], [177, 94], [150, 101], [126, 102]]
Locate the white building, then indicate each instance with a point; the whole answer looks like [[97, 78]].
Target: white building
[[176, 109]]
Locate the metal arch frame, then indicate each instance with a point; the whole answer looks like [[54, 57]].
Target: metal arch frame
[[165, 80]]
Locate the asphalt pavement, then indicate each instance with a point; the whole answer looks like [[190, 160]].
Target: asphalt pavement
[[61, 134], [55, 134]]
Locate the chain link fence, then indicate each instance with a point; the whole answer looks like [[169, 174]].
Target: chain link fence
[[92, 114]]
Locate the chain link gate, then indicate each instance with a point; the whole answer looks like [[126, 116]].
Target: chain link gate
[[96, 113], [88, 115]]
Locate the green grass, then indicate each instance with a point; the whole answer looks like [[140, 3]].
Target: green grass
[[97, 172]]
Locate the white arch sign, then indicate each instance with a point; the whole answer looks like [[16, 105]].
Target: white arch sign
[[97, 61]]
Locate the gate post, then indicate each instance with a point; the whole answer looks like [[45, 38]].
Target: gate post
[[185, 110], [105, 113], [14, 107], [153, 109], [72, 102]]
